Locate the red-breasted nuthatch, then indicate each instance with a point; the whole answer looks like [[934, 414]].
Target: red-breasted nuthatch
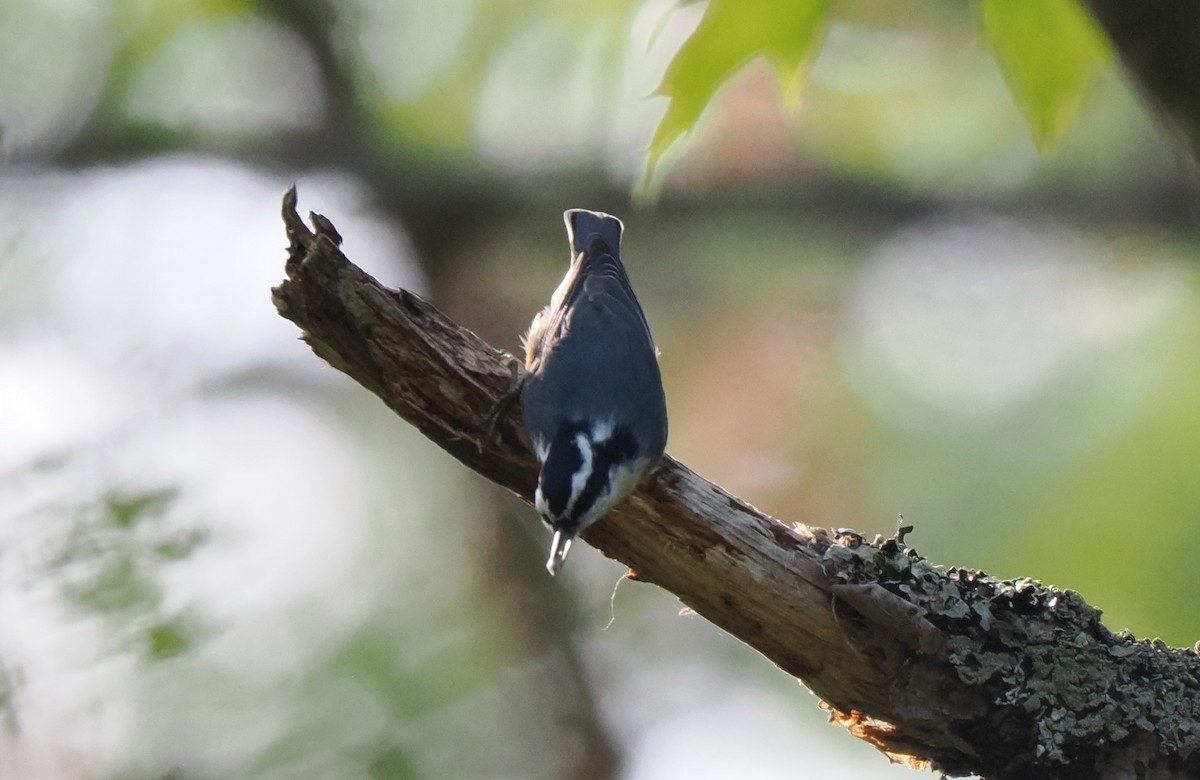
[[593, 398]]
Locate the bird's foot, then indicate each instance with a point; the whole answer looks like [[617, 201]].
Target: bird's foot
[[491, 421]]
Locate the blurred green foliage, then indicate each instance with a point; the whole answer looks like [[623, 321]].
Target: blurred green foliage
[[732, 33], [1048, 51], [440, 113], [1087, 484], [1115, 523], [109, 566]]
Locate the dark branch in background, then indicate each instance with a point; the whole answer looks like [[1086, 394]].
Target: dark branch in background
[[445, 206], [1159, 42], [970, 674]]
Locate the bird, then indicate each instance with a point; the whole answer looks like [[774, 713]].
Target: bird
[[592, 395]]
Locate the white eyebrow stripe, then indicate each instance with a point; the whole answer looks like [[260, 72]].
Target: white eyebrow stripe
[[602, 430], [580, 478]]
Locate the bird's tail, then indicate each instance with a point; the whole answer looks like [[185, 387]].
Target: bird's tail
[[583, 224]]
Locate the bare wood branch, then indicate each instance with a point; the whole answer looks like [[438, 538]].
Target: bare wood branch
[[946, 667]]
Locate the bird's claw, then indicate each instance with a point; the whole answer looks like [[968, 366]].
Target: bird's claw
[[491, 421]]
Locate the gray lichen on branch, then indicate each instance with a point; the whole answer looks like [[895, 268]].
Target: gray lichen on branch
[[963, 672]]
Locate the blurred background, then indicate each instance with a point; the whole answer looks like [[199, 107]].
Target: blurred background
[[221, 558]]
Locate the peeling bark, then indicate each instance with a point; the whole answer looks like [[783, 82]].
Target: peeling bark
[[936, 666]]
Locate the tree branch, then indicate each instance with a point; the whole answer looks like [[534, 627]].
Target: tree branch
[[947, 667], [1157, 41]]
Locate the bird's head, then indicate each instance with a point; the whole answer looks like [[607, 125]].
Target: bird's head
[[586, 469]]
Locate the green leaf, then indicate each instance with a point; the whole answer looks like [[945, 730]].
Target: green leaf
[[1048, 51], [166, 640], [731, 34], [125, 510]]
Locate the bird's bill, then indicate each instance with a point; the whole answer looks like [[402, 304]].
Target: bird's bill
[[559, 547]]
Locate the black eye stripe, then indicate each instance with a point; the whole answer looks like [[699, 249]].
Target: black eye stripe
[[619, 446], [563, 460], [615, 449]]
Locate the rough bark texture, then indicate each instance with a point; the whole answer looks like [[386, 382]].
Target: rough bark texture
[[947, 667]]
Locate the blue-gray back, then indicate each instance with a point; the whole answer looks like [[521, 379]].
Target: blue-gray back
[[597, 352]]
